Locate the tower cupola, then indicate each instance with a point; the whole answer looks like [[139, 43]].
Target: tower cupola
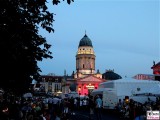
[[85, 41], [85, 57]]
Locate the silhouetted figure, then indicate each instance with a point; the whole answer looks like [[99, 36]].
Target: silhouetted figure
[[98, 106]]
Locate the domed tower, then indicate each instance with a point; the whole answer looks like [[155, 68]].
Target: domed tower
[[85, 58]]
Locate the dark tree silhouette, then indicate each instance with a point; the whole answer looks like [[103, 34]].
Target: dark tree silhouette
[[21, 44], [55, 2]]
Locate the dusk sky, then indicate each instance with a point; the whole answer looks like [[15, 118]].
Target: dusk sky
[[125, 35]]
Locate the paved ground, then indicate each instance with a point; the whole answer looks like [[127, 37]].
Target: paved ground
[[84, 115]]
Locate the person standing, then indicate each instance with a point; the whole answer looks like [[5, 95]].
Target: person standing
[[75, 104], [98, 106], [66, 105], [72, 106], [91, 107]]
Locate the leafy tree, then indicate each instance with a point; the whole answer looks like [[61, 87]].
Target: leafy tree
[[55, 2], [21, 44]]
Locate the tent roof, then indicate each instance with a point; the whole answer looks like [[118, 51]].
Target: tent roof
[[131, 80]]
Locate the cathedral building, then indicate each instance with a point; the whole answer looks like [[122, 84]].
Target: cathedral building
[[85, 59], [86, 78]]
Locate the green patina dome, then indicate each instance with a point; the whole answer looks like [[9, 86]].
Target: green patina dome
[[85, 41], [110, 75]]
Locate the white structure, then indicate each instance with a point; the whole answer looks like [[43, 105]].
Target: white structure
[[138, 90]]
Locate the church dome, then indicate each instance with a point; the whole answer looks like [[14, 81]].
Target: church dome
[[85, 41], [110, 75]]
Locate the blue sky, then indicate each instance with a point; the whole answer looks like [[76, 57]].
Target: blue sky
[[125, 35]]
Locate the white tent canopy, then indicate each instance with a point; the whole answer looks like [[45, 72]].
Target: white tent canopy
[[128, 85], [137, 86]]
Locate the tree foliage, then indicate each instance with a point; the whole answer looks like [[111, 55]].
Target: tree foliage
[[21, 44], [56, 2]]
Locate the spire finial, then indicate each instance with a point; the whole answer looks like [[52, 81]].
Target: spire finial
[[154, 63], [85, 32]]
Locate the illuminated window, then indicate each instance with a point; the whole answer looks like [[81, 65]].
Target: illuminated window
[[79, 88]]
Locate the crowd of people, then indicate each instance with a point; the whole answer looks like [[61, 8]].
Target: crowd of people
[[47, 108], [133, 110], [55, 108]]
